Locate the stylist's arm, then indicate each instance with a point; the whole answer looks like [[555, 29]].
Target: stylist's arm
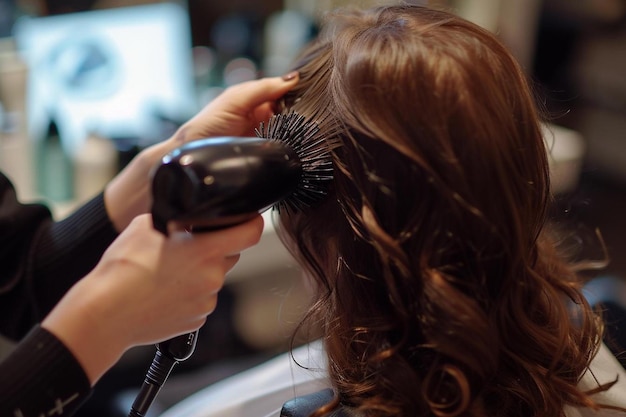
[[147, 288]]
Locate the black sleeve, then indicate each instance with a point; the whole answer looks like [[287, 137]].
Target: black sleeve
[[41, 377], [41, 259]]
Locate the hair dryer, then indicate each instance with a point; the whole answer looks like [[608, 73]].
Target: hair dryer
[[220, 182]]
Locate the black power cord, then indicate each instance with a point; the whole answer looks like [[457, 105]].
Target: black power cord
[[168, 354]]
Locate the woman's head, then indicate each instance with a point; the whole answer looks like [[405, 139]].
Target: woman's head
[[429, 256], [439, 136]]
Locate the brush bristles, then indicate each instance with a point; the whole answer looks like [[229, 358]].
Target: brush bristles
[[304, 138]]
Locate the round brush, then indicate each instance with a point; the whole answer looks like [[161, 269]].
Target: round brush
[[219, 182]]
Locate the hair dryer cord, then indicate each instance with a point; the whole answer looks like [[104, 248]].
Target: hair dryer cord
[[168, 354]]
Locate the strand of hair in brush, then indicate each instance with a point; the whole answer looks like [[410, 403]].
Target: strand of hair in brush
[[311, 147]]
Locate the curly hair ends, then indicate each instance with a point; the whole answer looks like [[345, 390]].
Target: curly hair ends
[[439, 287]]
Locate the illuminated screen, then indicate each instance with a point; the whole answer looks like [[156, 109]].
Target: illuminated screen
[[113, 72]]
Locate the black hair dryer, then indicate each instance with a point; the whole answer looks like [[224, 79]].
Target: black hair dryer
[[207, 185]]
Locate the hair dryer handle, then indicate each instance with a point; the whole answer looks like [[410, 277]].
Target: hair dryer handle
[[168, 354], [179, 348]]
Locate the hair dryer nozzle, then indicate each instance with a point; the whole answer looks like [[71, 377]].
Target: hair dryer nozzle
[[218, 182]]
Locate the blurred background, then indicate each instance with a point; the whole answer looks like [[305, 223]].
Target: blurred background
[[86, 84]]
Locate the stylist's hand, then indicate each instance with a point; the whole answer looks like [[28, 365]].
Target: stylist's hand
[[147, 288], [235, 112], [238, 110]]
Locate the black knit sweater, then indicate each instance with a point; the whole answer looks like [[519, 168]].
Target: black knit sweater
[[39, 261]]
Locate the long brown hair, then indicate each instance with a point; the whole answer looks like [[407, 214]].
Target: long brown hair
[[438, 286]]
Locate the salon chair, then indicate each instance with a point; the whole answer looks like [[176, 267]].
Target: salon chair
[[303, 406], [609, 294]]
